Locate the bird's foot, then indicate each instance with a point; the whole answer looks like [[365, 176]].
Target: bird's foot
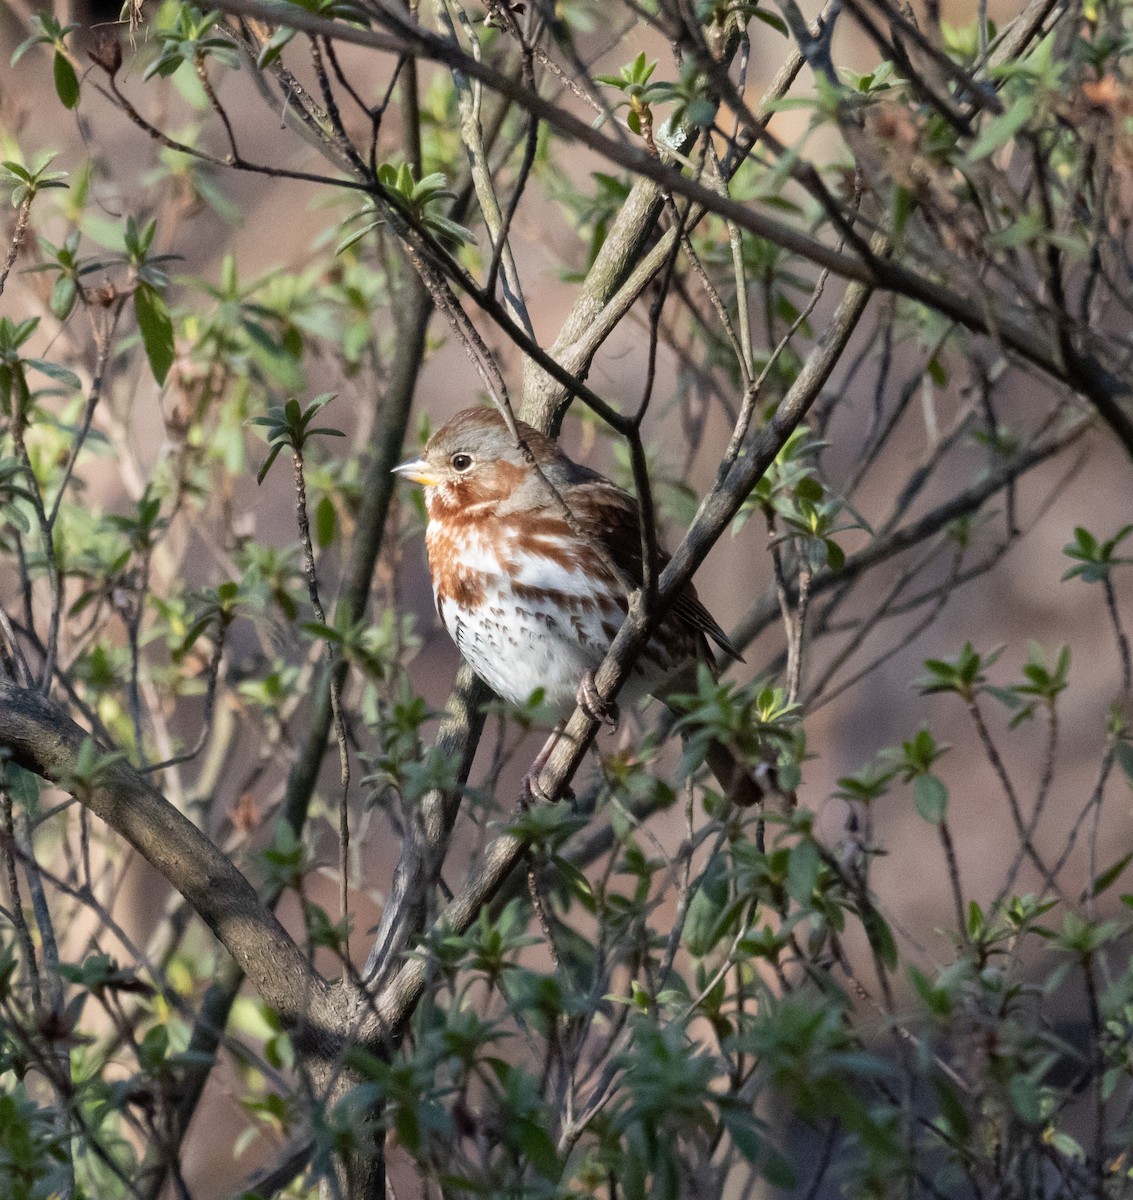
[[530, 790], [605, 712]]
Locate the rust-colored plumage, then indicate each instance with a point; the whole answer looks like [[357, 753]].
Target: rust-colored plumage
[[533, 558]]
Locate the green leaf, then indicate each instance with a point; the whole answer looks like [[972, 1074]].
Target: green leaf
[[54, 371], [539, 1150], [273, 48], [703, 926], [773, 19], [809, 488], [952, 1109], [1002, 129], [1065, 1145], [931, 796], [880, 936], [156, 329], [976, 920], [802, 872], [1110, 875], [320, 629], [63, 297], [23, 787], [904, 205], [66, 81], [326, 522], [261, 474], [1025, 1099], [36, 39], [1123, 752], [936, 999]]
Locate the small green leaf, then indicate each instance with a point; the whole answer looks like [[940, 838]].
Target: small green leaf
[[952, 1109], [273, 48], [54, 371], [1123, 752], [23, 787], [1025, 1099], [1002, 129], [156, 329], [931, 796], [36, 39], [700, 111], [63, 297], [1111, 874], [802, 872], [773, 19], [880, 936], [261, 474], [539, 1150], [66, 81], [326, 522], [703, 926], [1065, 1145], [904, 205]]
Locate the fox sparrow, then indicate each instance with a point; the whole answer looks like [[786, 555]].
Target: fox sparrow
[[533, 592]]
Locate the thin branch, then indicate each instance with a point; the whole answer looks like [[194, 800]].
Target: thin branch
[[23, 933], [399, 997], [968, 501], [311, 574], [1016, 331], [23, 212]]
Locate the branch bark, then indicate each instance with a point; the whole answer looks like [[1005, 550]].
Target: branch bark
[[1028, 333], [396, 1002], [43, 739]]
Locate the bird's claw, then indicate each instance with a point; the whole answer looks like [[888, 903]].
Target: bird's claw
[[605, 712], [532, 792]]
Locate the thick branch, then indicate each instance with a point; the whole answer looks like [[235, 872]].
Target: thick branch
[[43, 739]]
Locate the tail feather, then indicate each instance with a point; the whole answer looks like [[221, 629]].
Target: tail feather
[[744, 787]]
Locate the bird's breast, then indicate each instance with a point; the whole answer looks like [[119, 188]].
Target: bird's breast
[[522, 607]]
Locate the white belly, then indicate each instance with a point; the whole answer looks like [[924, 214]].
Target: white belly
[[518, 647], [541, 626]]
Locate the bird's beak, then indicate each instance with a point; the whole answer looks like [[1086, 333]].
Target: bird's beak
[[418, 471]]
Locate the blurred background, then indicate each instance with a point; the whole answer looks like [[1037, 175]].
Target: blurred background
[[270, 224]]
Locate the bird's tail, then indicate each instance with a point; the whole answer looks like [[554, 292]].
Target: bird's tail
[[743, 785]]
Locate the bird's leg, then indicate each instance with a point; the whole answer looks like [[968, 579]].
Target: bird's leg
[[529, 790], [603, 711], [591, 702]]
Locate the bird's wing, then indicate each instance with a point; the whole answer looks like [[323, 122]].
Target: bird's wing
[[610, 516]]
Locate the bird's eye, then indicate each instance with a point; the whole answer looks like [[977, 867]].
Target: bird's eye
[[461, 462]]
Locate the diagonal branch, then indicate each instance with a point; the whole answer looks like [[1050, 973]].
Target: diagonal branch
[[40, 737], [1020, 331], [396, 1002]]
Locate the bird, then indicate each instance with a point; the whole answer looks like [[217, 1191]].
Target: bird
[[533, 558]]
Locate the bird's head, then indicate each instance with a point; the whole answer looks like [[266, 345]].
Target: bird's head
[[473, 458]]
